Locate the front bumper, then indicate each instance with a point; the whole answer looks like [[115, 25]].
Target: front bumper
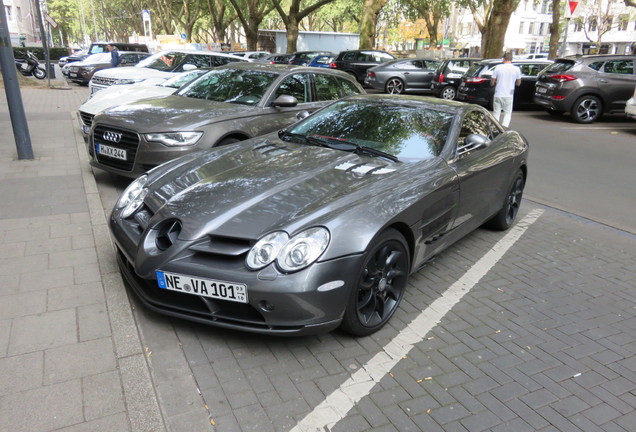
[[278, 304]]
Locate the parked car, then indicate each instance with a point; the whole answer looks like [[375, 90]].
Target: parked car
[[587, 86], [123, 94], [323, 61], [475, 86], [402, 75], [630, 106], [448, 76], [357, 62], [320, 225], [226, 105], [277, 59], [251, 55], [101, 47], [531, 56], [164, 64], [302, 58], [81, 72]]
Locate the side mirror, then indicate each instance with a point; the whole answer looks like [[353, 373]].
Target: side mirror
[[302, 115], [188, 67], [475, 141], [285, 101]]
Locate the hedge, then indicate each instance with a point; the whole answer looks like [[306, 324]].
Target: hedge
[[54, 53]]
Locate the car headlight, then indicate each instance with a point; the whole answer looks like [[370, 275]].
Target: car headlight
[[290, 254], [128, 81], [133, 197], [266, 250], [174, 139]]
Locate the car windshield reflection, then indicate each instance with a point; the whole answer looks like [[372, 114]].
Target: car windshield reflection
[[409, 133], [243, 87]]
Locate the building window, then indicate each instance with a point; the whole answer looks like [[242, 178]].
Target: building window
[[521, 25], [623, 21], [18, 13], [578, 24], [530, 28], [592, 24], [7, 11]]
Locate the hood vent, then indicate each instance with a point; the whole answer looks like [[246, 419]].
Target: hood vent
[[364, 168]]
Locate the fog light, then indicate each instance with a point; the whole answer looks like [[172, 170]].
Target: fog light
[[266, 306]]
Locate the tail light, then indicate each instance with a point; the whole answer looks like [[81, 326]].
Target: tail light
[[476, 80], [441, 77], [332, 65], [562, 77], [371, 74]]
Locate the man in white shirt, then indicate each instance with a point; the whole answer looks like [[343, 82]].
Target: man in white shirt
[[505, 78]]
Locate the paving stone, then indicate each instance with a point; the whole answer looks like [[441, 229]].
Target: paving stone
[[93, 322], [21, 373], [102, 395], [78, 360], [253, 418], [22, 304], [46, 279], [58, 406], [116, 422], [75, 295], [43, 331], [5, 329]]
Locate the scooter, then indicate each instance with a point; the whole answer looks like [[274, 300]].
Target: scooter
[[30, 66]]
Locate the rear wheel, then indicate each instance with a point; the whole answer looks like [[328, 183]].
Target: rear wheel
[[586, 109], [380, 286], [448, 93], [394, 86]]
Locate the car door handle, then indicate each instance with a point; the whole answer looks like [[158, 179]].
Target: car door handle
[[603, 80], [407, 73]]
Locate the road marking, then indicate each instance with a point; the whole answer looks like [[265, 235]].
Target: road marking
[[626, 127], [336, 406]]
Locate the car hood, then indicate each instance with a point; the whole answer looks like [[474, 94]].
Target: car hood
[[172, 113], [133, 73], [114, 96], [251, 188]]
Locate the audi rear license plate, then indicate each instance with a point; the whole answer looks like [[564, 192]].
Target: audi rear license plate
[[109, 151], [212, 288]]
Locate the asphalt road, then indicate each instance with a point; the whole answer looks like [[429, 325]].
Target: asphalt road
[[587, 170]]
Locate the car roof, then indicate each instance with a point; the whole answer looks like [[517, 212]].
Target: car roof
[[283, 68], [539, 61]]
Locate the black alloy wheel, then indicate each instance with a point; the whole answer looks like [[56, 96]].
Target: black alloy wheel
[[587, 109], [380, 287], [394, 86], [508, 213]]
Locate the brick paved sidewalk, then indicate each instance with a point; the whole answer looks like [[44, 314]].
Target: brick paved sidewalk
[[70, 353]]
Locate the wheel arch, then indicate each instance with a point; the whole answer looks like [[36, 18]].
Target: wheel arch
[[406, 232], [241, 136]]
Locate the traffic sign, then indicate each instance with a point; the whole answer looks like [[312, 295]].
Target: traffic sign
[[573, 5], [50, 20]]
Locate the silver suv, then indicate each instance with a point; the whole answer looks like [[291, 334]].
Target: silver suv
[[586, 86]]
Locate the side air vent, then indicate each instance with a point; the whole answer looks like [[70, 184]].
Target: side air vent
[[169, 231]]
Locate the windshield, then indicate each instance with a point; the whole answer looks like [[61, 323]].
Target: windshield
[[183, 78], [97, 58], [408, 132], [96, 49], [245, 87], [165, 61]]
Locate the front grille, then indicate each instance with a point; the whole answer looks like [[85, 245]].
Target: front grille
[[129, 142], [87, 119], [103, 81]]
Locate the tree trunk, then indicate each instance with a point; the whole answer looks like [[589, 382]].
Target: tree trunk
[[251, 32], [555, 29], [369, 22], [493, 37], [292, 35]]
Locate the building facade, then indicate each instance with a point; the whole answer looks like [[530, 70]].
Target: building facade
[[22, 22]]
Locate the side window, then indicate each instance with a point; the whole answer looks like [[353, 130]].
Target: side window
[[348, 88], [530, 69], [623, 67], [326, 87], [596, 65], [474, 122], [297, 85], [349, 56], [411, 65], [200, 61], [220, 61]]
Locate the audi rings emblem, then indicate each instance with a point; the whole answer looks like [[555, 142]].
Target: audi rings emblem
[[112, 136]]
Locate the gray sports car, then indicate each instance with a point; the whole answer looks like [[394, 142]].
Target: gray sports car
[[319, 225]]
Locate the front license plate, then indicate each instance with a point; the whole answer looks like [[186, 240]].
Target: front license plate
[[212, 288], [110, 151], [72, 74]]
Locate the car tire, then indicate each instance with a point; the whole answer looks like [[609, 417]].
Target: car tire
[[226, 141], [380, 284], [587, 109], [448, 93], [394, 86], [39, 73], [505, 217]]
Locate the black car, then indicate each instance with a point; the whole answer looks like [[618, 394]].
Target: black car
[[302, 58], [81, 72], [321, 224], [476, 88], [587, 86], [357, 62], [277, 59], [448, 76]]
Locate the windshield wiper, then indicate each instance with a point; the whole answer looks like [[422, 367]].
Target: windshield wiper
[[306, 138], [342, 144]]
